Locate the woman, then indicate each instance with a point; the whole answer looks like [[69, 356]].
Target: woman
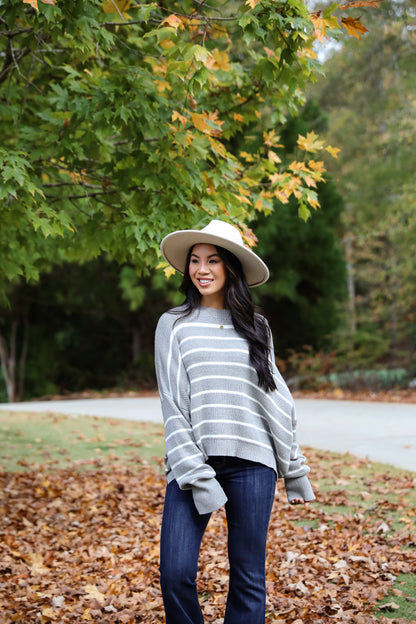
[[229, 422]]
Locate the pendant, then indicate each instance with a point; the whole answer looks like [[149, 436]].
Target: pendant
[[221, 326]]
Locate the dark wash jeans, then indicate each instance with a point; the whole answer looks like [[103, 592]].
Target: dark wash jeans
[[250, 489]]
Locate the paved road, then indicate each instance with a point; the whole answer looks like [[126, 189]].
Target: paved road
[[384, 432]]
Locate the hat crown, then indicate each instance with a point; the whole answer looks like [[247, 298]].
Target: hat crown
[[224, 230]]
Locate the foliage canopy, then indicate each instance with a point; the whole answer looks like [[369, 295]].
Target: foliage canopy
[[118, 122]]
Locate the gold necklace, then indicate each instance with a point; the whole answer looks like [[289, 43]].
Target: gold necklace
[[216, 320]]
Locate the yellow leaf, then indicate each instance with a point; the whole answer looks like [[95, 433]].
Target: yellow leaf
[[321, 24], [243, 199], [247, 157], [218, 147], [252, 3], [33, 3], [93, 592], [316, 165], [273, 157], [174, 21], [271, 139], [165, 44], [162, 85], [310, 181], [169, 271], [238, 117], [200, 121], [353, 26], [334, 151], [281, 196], [250, 238], [310, 143], [218, 60], [116, 6], [181, 118], [298, 166]]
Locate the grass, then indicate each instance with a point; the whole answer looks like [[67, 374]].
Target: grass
[[404, 605], [355, 486], [29, 440]]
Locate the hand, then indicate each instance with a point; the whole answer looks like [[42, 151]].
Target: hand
[[299, 501]]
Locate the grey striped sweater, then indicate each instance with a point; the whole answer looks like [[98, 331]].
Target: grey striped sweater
[[212, 405]]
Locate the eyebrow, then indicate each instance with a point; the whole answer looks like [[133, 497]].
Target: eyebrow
[[210, 256]]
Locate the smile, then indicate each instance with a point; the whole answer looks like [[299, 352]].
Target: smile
[[205, 282]]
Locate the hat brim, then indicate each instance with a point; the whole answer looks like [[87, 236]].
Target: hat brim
[[175, 247]]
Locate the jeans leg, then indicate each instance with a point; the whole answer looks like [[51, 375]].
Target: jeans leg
[[250, 494], [181, 536]]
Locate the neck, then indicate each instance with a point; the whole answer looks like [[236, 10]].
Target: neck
[[213, 301]]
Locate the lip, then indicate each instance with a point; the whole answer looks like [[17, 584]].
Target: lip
[[204, 282]]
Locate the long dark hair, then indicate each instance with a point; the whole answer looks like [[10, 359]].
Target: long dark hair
[[239, 302]]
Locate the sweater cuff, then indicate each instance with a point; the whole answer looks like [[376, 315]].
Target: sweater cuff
[[299, 487], [208, 495]]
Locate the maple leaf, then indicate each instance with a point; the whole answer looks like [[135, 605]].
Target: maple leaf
[[201, 122], [273, 157], [250, 238], [310, 143], [321, 24], [271, 139], [252, 3], [317, 165], [334, 151], [184, 120], [353, 26]]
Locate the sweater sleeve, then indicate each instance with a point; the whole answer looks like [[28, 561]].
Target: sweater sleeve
[[185, 460], [296, 480]]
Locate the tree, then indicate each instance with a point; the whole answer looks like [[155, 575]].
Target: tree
[[118, 120], [368, 95]]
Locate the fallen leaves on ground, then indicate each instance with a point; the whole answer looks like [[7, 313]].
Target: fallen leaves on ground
[[81, 547]]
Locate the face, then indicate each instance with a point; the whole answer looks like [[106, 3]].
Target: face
[[208, 273]]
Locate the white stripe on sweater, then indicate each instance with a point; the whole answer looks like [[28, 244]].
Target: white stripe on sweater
[[238, 422], [246, 381], [241, 394]]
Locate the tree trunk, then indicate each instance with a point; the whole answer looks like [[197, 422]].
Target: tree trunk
[[8, 362], [14, 376]]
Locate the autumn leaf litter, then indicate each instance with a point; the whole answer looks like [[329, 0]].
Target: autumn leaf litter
[[83, 546]]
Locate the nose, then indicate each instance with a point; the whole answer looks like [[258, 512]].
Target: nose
[[203, 268]]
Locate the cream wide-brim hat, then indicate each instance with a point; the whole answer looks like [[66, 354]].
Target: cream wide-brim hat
[[175, 248]]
